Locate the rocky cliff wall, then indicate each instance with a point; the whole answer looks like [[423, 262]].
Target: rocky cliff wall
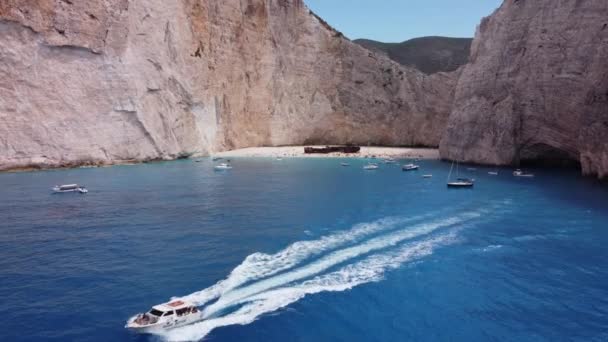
[[95, 82], [536, 87]]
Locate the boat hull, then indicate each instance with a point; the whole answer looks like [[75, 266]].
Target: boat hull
[[459, 186], [161, 327], [80, 191]]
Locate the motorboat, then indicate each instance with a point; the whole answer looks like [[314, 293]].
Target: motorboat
[[217, 158], [410, 167], [427, 176], [279, 158], [70, 188], [345, 164], [222, 166], [520, 173], [164, 317], [390, 160], [370, 166], [493, 173], [472, 168]]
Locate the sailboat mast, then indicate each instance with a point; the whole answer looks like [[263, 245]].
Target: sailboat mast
[[450, 174]]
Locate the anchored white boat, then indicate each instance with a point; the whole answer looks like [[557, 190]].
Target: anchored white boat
[[462, 183], [390, 160], [493, 173], [520, 173], [223, 166], [164, 317], [345, 164], [410, 167], [370, 166], [427, 176], [459, 183], [70, 188]]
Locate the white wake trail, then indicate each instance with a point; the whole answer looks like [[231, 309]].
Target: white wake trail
[[232, 297], [265, 283], [260, 265], [367, 270]]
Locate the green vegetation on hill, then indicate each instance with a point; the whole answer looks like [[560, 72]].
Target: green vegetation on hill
[[427, 54]]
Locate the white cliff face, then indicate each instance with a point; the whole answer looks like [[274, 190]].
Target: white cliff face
[[100, 82], [536, 87]]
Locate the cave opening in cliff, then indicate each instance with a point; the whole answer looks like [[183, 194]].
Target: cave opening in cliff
[[543, 155]]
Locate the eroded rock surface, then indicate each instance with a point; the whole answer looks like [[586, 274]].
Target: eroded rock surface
[[94, 82], [536, 87]]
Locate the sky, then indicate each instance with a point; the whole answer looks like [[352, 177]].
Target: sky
[[399, 20]]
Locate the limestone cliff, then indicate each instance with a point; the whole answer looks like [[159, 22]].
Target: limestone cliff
[[536, 87], [94, 82]]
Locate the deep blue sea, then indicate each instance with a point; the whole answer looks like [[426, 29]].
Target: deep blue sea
[[305, 250]]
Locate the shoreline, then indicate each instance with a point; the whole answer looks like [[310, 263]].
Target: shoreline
[[249, 152], [298, 152]]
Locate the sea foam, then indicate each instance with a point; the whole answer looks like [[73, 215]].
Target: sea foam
[[265, 283]]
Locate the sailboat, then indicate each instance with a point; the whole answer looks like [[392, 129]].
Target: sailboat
[[460, 182]]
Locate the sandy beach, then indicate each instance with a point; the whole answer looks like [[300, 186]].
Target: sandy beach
[[366, 152]]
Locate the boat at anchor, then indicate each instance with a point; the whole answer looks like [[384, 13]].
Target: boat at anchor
[[222, 166], [370, 166], [70, 188], [520, 173], [459, 183], [410, 167]]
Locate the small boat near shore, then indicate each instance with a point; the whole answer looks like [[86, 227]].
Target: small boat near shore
[[493, 173], [345, 164], [371, 166], [164, 317], [462, 183], [390, 160], [520, 173], [70, 188], [217, 158], [410, 167], [222, 166], [459, 183], [427, 176]]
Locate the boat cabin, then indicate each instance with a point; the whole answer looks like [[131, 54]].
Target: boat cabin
[[166, 311], [69, 187], [177, 307]]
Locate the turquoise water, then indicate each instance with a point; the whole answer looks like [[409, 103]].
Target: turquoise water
[[305, 250]]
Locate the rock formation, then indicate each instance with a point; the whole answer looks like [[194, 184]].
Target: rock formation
[[535, 88], [95, 82]]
